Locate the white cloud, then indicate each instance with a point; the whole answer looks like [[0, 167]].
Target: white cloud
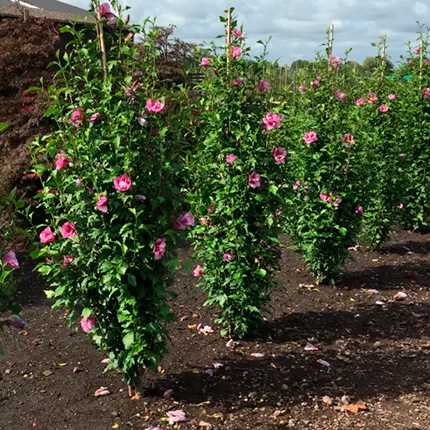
[[297, 27]]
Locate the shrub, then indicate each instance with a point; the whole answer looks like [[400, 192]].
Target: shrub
[[237, 170], [110, 192]]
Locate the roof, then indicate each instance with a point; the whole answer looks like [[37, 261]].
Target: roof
[[51, 9]]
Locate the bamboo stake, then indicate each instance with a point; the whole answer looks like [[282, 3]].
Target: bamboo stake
[[330, 37], [421, 58], [228, 38]]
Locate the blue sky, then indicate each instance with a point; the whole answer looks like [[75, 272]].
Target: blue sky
[[297, 27]]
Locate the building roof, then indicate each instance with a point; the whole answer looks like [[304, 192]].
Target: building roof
[[51, 9]]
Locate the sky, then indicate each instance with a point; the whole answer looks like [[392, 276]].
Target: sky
[[297, 27]]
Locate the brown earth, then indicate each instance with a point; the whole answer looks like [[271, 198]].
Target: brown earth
[[377, 349]]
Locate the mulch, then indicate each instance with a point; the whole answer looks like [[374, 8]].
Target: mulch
[[370, 348]]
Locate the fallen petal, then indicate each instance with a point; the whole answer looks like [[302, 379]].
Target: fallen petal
[[400, 296], [310, 347], [323, 363], [102, 391]]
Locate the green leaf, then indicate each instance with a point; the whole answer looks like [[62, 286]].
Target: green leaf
[[128, 340]]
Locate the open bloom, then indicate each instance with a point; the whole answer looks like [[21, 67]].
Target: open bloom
[[254, 180], [236, 52], [122, 183], [159, 248], [87, 324], [263, 86], [272, 120], [316, 83], [67, 260], [61, 161], [205, 62], [383, 108], [184, 220], [68, 230], [102, 204], [392, 97], [360, 102], [302, 88], [340, 95], [279, 154], [198, 271], [10, 260], [426, 93], [227, 256], [47, 236], [154, 106], [310, 137], [230, 159], [77, 117]]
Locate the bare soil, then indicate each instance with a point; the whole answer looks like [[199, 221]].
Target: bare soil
[[375, 349]]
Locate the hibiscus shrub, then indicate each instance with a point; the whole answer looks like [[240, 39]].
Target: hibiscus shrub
[[110, 192], [237, 169], [325, 200]]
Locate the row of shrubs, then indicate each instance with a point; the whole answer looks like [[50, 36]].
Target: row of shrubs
[[132, 167]]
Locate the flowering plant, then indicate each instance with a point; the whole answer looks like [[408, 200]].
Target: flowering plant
[[112, 202]]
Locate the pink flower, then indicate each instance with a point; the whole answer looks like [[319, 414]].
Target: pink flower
[[140, 198], [122, 183], [176, 416], [78, 182], [77, 117], [272, 120], [335, 61], [348, 139], [61, 161], [316, 83], [383, 108], [340, 95], [10, 260], [417, 50], [426, 93], [392, 97], [68, 230], [95, 118], [154, 106], [87, 324], [296, 185], [236, 52], [47, 236], [205, 62], [359, 210], [310, 137], [183, 221], [67, 260], [302, 88], [227, 256], [254, 180], [159, 248], [372, 98], [400, 205], [230, 159], [279, 154], [263, 86], [360, 102], [237, 82], [325, 197], [198, 271], [102, 204], [236, 32]]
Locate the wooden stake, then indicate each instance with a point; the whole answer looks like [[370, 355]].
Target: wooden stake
[[330, 37], [100, 37]]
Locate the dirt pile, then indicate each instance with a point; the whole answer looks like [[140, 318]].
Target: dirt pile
[[26, 49]]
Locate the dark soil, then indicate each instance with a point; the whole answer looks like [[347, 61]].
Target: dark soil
[[377, 348]]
